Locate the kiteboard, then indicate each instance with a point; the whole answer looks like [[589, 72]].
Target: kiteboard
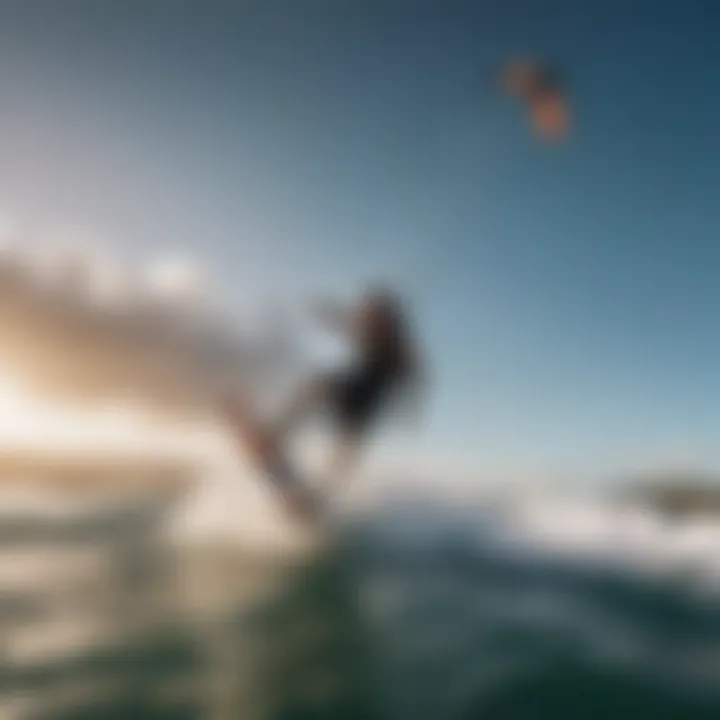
[[267, 455]]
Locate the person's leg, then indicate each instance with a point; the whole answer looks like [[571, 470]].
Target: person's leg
[[343, 461], [309, 398]]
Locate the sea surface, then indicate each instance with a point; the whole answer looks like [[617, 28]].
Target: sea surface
[[534, 608]]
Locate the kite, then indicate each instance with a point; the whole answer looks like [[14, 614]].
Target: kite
[[540, 89]]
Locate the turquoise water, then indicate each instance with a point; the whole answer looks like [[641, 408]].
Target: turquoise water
[[437, 626]]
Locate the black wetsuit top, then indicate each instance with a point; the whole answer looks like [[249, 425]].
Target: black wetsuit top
[[361, 391]]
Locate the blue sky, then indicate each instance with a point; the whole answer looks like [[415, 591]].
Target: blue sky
[[567, 295]]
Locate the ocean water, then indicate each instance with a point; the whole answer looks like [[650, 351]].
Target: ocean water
[[539, 608]]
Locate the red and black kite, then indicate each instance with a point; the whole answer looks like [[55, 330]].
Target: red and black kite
[[540, 89]]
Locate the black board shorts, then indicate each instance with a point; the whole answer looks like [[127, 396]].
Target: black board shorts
[[355, 397]]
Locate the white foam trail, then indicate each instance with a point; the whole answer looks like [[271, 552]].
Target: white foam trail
[[83, 326], [633, 537]]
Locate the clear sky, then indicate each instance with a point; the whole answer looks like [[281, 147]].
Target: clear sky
[[568, 296]]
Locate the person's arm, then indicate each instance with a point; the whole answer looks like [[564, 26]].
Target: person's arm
[[334, 317]]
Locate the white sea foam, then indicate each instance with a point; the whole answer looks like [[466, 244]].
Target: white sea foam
[[615, 535]]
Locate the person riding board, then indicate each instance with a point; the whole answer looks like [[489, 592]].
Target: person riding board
[[384, 370]]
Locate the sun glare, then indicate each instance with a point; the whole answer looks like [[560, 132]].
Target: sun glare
[[26, 421]]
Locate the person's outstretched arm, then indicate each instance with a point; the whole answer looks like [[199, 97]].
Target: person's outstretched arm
[[334, 317]]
